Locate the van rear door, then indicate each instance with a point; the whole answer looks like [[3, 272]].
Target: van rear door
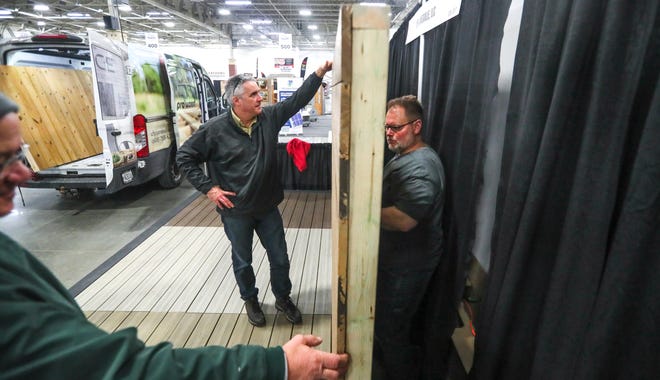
[[113, 97]]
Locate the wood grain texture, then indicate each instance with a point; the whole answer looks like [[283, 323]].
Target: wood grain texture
[[57, 113], [358, 139]]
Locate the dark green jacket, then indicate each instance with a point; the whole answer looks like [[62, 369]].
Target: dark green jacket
[[45, 335], [238, 162]]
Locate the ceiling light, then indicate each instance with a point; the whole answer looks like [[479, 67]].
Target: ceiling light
[[261, 22], [100, 23], [305, 12], [312, 27], [238, 2], [169, 24], [224, 12], [316, 37], [41, 23], [125, 8], [41, 7], [77, 14], [5, 12], [247, 27]]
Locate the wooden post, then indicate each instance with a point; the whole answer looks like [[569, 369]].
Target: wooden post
[[358, 113]]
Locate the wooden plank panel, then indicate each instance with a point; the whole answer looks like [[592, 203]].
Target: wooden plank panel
[[148, 324], [133, 319], [310, 273], [98, 317], [322, 328], [98, 292], [202, 332], [323, 303], [57, 113], [223, 329], [187, 324], [357, 161], [242, 331], [140, 275], [113, 321], [192, 205], [156, 283], [178, 277], [219, 284], [281, 330], [164, 329], [196, 285]]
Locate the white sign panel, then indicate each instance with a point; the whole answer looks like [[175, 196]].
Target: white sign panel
[[286, 41], [431, 14], [151, 39]]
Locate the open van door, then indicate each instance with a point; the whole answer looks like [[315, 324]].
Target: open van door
[[186, 102], [113, 97]]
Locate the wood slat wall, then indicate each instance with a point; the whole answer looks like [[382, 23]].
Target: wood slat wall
[[57, 113]]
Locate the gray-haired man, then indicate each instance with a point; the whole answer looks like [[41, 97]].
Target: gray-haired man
[[239, 148]]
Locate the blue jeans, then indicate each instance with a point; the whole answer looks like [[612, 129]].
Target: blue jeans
[[240, 231]]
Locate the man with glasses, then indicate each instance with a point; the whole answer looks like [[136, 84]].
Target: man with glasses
[[45, 335], [410, 240], [239, 148]]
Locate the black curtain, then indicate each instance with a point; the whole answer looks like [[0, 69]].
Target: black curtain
[[318, 172], [574, 285], [461, 68], [403, 63]]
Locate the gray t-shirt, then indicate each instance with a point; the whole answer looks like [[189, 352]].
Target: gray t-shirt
[[414, 183]]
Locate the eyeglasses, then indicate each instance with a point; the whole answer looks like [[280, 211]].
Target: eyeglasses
[[397, 128], [19, 155]]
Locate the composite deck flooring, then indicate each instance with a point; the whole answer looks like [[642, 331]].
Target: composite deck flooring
[[178, 284]]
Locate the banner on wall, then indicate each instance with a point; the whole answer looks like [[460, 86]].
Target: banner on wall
[[303, 67], [284, 65], [431, 14]]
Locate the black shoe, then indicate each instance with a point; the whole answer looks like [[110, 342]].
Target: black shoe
[[255, 315], [286, 306]]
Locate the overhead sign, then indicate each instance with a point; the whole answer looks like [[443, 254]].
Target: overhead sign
[[431, 14], [151, 39], [286, 41]]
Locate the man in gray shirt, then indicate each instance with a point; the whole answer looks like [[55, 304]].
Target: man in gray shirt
[[410, 241]]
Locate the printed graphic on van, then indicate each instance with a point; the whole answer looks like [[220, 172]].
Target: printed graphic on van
[[185, 96], [113, 98], [152, 99]]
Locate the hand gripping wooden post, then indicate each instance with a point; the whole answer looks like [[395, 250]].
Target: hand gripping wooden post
[[358, 113]]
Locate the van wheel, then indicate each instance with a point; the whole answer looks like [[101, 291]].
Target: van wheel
[[171, 177]]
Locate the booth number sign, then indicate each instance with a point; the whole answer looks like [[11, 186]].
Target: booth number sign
[[151, 40], [286, 41]]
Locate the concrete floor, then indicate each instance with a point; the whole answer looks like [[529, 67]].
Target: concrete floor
[[73, 236]]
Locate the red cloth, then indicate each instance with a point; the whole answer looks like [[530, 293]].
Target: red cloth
[[298, 150]]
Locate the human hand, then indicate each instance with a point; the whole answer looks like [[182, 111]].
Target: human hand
[[305, 362], [324, 68], [219, 197]]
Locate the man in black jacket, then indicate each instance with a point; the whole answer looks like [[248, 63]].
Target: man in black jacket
[[239, 148]]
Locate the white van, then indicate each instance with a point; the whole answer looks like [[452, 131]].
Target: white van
[[103, 114]]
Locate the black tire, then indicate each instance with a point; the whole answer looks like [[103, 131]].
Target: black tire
[[171, 177]]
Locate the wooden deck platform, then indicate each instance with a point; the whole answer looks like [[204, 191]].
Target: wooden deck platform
[[178, 284]]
